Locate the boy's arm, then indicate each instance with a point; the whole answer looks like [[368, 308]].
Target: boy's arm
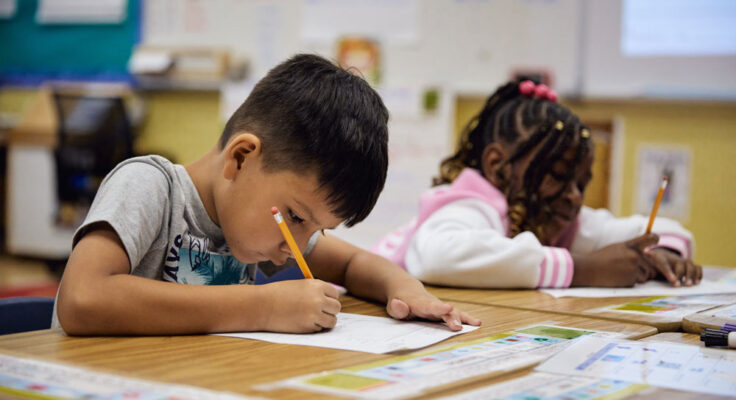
[[98, 296], [371, 276]]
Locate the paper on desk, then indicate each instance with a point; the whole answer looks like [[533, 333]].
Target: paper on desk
[[365, 333], [45, 380], [651, 288], [541, 385], [675, 366]]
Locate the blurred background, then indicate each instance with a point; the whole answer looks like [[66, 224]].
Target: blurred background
[[87, 83]]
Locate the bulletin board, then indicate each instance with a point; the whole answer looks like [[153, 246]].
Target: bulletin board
[[32, 53]]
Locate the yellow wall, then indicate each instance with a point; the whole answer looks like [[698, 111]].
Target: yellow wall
[[179, 125], [708, 129]]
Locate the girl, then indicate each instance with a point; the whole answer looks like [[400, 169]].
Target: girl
[[508, 211]]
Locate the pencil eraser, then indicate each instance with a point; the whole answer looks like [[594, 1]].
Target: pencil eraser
[[274, 210]]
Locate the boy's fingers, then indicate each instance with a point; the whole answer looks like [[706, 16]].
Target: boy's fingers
[[331, 306], [327, 321], [469, 319], [397, 309], [432, 309], [452, 321], [331, 291]]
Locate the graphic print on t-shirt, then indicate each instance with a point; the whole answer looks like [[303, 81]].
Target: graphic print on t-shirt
[[189, 261]]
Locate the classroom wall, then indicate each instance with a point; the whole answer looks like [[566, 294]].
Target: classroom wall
[[709, 129], [184, 125]]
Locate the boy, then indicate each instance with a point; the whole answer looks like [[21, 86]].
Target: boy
[[311, 139]]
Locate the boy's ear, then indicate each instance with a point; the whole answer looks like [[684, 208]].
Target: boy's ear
[[493, 156], [238, 149]]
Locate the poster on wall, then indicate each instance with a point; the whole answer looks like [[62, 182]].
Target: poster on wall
[[655, 162]]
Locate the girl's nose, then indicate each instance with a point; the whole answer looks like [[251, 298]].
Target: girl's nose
[[574, 194]]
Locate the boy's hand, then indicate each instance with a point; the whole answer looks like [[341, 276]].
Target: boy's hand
[[675, 269], [424, 305], [300, 306], [617, 265]]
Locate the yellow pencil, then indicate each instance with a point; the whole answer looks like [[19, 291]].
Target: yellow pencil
[[660, 193], [292, 244]]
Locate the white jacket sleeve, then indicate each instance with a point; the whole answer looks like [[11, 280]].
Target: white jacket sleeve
[[599, 228], [464, 244]]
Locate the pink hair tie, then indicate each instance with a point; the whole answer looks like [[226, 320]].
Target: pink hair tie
[[552, 96], [526, 88], [541, 91]]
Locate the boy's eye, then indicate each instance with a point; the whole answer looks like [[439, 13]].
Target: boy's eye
[[295, 217]]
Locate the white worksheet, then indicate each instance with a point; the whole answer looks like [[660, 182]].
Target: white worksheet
[[365, 333], [661, 364]]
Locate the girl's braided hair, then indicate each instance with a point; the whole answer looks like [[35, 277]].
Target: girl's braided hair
[[525, 123]]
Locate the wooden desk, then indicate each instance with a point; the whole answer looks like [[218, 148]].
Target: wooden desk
[[675, 337], [539, 301], [535, 300], [235, 365], [714, 318]]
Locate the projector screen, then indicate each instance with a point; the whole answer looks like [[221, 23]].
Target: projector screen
[[680, 49]]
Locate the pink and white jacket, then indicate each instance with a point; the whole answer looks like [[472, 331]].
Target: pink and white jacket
[[460, 238]]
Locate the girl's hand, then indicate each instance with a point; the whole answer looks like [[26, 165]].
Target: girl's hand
[[617, 265], [424, 305], [675, 269]]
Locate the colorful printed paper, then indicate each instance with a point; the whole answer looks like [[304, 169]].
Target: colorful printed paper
[[43, 380], [668, 365], [545, 386], [414, 374]]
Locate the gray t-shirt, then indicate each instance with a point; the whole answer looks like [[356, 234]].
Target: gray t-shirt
[[156, 211]]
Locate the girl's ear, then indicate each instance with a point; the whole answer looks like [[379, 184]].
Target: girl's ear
[[494, 156], [238, 149]]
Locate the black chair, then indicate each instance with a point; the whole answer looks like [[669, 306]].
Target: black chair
[[94, 136], [22, 314]]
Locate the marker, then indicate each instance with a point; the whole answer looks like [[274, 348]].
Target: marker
[[717, 337], [292, 244], [660, 193]]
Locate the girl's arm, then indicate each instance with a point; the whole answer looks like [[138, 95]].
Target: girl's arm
[[464, 244]]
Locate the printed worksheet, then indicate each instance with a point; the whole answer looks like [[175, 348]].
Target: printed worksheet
[[545, 386], [365, 333], [418, 373], [670, 306], [43, 380], [723, 312], [668, 365]]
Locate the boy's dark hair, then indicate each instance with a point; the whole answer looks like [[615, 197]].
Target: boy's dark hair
[[527, 122], [313, 116]]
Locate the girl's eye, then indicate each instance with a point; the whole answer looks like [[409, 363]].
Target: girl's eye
[[557, 177], [295, 217]]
